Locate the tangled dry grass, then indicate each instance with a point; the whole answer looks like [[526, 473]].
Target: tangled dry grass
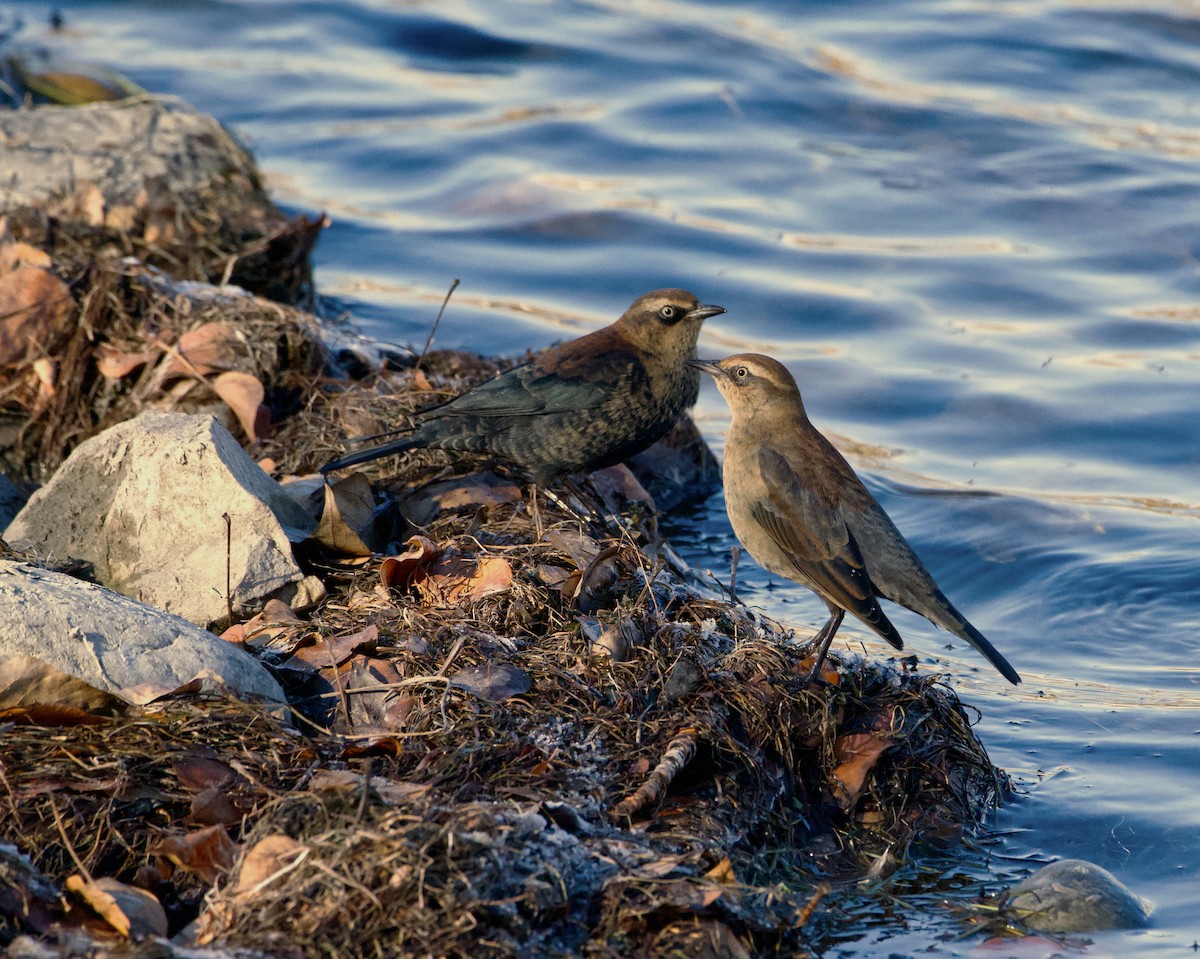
[[528, 733]]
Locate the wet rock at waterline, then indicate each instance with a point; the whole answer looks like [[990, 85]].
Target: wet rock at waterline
[[1074, 895]]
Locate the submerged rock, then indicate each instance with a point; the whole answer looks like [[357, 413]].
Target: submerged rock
[[1075, 895]]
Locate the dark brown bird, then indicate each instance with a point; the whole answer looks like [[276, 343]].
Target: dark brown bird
[[801, 512], [580, 406]]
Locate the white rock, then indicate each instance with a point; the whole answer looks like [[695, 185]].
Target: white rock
[[113, 642], [143, 503]]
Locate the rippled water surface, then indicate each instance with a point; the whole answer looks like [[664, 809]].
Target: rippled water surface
[[971, 229]]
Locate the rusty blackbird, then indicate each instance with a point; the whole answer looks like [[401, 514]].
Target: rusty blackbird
[[580, 406], [801, 512]]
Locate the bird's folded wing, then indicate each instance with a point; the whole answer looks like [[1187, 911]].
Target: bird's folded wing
[[532, 390], [815, 537]]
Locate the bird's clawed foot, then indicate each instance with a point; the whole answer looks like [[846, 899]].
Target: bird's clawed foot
[[824, 638]]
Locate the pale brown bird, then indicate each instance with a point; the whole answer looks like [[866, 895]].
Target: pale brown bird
[[802, 512], [580, 406]]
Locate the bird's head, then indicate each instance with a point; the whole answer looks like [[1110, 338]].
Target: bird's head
[[753, 383], [670, 317]]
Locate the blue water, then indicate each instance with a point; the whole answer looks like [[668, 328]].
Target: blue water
[[971, 228]]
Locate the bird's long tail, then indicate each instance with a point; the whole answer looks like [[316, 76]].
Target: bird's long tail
[[372, 453], [979, 641]]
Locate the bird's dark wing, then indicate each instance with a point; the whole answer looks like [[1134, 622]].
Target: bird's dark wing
[[537, 388], [818, 541]]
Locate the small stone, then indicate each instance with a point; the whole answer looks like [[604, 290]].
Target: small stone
[[1074, 895]]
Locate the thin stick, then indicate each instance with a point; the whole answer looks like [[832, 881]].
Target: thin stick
[[429, 340], [679, 750], [228, 564], [735, 555], [62, 831], [337, 681], [818, 894]]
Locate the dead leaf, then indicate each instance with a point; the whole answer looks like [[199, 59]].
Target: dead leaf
[[197, 773], [857, 753], [244, 394], [480, 489], [580, 547], [268, 859], [492, 682], [378, 703], [400, 572], [209, 348], [209, 853], [347, 517], [114, 364], [14, 255], [133, 912], [344, 781], [277, 626], [28, 681], [34, 304], [454, 579], [50, 717], [722, 872], [596, 580], [336, 649], [618, 487]]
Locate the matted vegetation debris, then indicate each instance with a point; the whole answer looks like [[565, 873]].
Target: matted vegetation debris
[[517, 726]]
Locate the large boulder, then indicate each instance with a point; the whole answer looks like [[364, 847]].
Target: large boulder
[[112, 642], [143, 503]]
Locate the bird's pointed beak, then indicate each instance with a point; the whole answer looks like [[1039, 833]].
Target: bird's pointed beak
[[708, 367], [703, 312]]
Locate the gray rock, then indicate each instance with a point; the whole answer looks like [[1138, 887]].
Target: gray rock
[[1074, 895], [113, 642], [143, 503], [133, 151]]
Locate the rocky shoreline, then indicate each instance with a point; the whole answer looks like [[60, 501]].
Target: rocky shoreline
[[252, 713]]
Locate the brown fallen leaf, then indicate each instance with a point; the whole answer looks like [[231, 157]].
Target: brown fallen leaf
[[277, 627], [455, 579], [209, 348], [133, 912], [480, 489], [618, 486], [400, 572], [345, 524], [857, 753], [344, 781], [34, 304], [114, 364], [378, 704], [268, 859], [27, 681], [209, 853], [336, 649], [244, 394], [492, 682], [17, 254]]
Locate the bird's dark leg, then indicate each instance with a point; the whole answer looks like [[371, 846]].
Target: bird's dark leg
[[589, 503], [735, 554], [537, 513], [825, 637]]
